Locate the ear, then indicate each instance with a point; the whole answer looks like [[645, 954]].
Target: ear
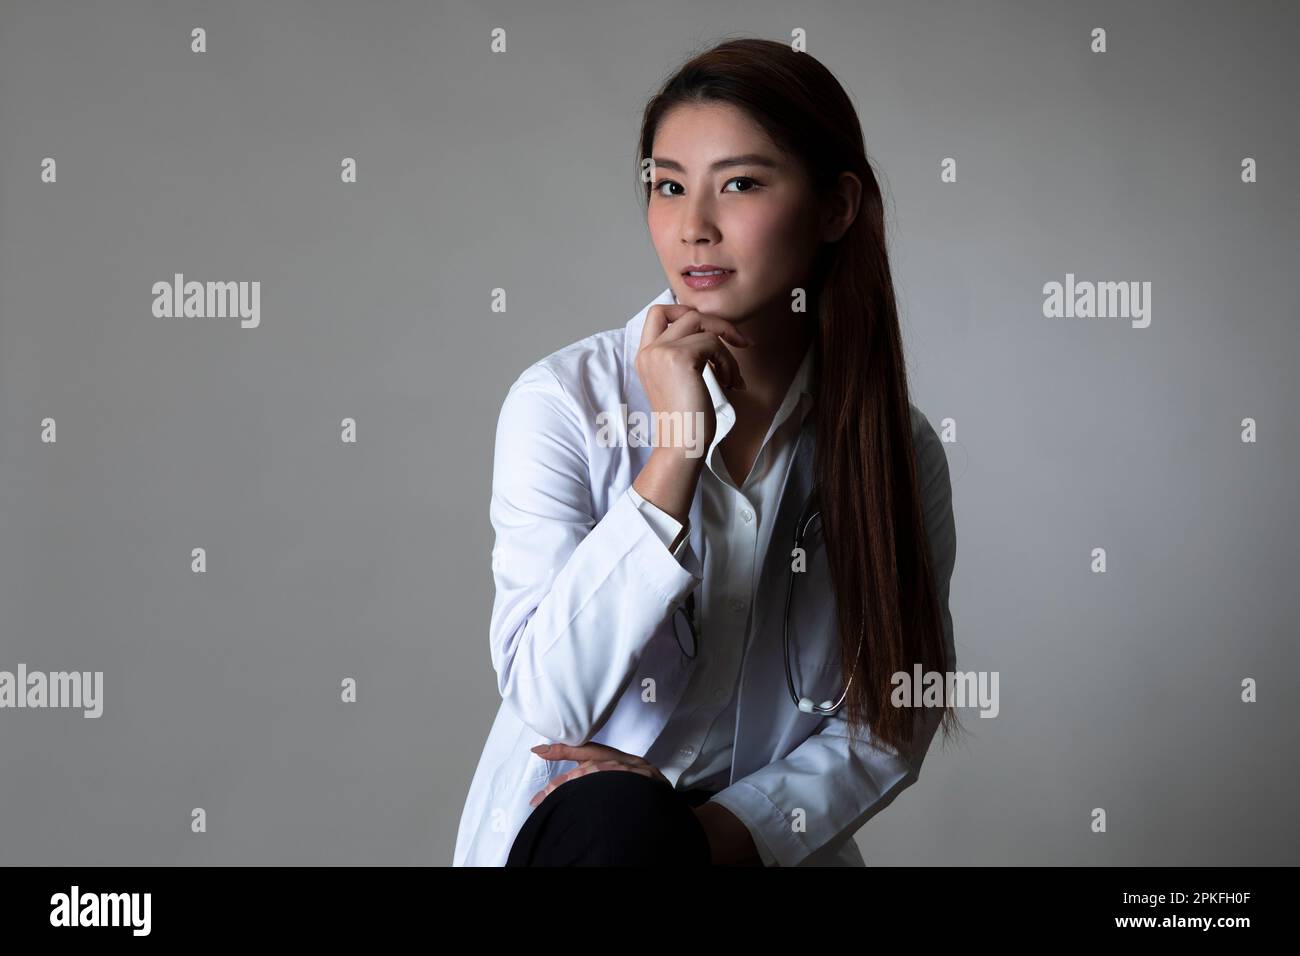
[[842, 207]]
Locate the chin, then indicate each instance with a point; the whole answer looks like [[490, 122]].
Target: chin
[[719, 302]]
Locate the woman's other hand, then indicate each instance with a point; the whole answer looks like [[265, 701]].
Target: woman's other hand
[[592, 758]]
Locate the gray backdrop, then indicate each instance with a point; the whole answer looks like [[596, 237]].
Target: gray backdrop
[[477, 171]]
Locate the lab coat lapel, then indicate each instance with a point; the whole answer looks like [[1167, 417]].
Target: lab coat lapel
[[761, 726]]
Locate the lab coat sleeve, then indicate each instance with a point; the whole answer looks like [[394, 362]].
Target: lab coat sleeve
[[826, 788], [668, 528], [576, 599]]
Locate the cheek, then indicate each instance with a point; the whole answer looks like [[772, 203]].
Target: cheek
[[658, 227], [765, 234], [772, 250]]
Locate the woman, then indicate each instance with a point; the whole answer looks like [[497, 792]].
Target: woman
[[650, 713]]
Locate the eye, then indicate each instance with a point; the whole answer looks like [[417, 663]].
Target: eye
[[754, 184]]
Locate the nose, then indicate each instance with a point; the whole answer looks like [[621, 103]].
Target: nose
[[698, 224]]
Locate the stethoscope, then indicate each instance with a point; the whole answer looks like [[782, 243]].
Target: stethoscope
[[805, 704]]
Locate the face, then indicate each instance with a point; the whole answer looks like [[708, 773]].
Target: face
[[757, 218]]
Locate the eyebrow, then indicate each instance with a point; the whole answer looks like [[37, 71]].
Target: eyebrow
[[748, 159]]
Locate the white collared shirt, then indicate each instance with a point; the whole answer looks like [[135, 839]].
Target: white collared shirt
[[695, 747]]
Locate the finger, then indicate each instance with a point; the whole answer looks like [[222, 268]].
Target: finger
[[587, 751], [643, 771], [695, 321], [566, 752], [658, 319], [586, 767], [546, 791], [540, 795], [596, 766], [649, 772], [611, 766], [705, 346]]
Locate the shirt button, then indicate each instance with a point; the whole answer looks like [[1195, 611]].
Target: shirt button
[[737, 605], [747, 515]]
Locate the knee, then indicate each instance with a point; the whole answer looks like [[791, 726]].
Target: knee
[[631, 818], [627, 807], [620, 795]]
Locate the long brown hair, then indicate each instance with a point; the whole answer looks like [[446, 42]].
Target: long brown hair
[[865, 464]]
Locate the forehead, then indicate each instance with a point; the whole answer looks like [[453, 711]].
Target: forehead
[[702, 131]]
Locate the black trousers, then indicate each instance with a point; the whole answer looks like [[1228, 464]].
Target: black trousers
[[613, 818]]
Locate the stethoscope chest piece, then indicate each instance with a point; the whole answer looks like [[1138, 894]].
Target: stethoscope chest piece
[[805, 704], [687, 611]]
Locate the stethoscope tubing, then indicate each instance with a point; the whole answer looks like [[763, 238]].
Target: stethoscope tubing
[[804, 704]]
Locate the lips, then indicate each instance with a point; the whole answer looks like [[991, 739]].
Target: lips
[[707, 267], [716, 276]]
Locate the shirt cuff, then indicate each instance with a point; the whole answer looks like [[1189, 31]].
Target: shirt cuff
[[767, 826], [665, 526]]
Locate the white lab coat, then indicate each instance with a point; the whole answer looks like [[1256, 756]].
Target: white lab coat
[[582, 639]]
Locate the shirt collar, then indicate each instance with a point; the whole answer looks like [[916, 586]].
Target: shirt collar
[[798, 399]]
